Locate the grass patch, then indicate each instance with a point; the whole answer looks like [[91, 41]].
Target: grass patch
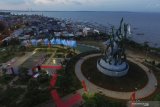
[[135, 78], [31, 99], [99, 100], [37, 92], [5, 79], [46, 49], [59, 55], [10, 96], [82, 48], [68, 82], [61, 50], [20, 81], [4, 57]]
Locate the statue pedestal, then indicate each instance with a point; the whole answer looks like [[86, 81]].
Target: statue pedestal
[[111, 69]]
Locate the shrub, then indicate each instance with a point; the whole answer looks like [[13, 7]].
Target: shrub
[[153, 62], [10, 96], [158, 65]]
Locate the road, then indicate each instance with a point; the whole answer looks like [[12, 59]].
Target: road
[[142, 93]]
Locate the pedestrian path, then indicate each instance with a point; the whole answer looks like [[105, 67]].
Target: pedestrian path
[[50, 59], [68, 102], [92, 88]]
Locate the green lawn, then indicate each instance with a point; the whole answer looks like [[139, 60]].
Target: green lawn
[[59, 55], [21, 81], [92, 43], [82, 48], [4, 57], [10, 96], [7, 53], [99, 100], [5, 79], [135, 78]]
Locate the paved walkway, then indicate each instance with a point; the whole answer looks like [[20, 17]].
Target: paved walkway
[[21, 60], [142, 93], [50, 59]]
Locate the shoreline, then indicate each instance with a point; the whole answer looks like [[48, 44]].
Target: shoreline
[[131, 49]]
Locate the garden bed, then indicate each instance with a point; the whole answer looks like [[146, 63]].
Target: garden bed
[[136, 77]]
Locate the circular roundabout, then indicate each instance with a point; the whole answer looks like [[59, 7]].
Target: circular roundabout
[[138, 79]]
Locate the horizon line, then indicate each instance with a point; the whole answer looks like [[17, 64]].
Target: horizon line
[[76, 11]]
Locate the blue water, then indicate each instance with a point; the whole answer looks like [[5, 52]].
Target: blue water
[[141, 23]]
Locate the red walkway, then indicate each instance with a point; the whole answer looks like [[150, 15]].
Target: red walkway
[[56, 98], [52, 67], [73, 100], [69, 103], [53, 80]]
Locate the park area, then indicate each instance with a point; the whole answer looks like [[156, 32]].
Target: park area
[[36, 58], [32, 89]]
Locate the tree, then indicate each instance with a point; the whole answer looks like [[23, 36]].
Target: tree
[[2, 26], [32, 85], [43, 77], [14, 41], [22, 48], [23, 74], [157, 97], [32, 94], [5, 43], [158, 65]]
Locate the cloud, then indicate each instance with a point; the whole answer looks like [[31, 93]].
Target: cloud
[[110, 5], [47, 2], [43, 1], [67, 2], [13, 2], [76, 2]]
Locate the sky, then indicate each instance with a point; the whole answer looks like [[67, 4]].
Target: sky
[[82, 5]]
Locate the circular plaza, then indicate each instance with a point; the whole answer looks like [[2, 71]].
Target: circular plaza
[[138, 79]]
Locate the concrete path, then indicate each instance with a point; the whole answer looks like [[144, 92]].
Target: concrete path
[[50, 59], [142, 93], [21, 60]]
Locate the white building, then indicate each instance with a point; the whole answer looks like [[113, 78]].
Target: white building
[[85, 31]]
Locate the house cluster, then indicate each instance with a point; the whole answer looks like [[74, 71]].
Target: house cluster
[[29, 28]]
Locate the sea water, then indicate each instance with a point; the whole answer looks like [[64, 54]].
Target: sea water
[[145, 27]]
